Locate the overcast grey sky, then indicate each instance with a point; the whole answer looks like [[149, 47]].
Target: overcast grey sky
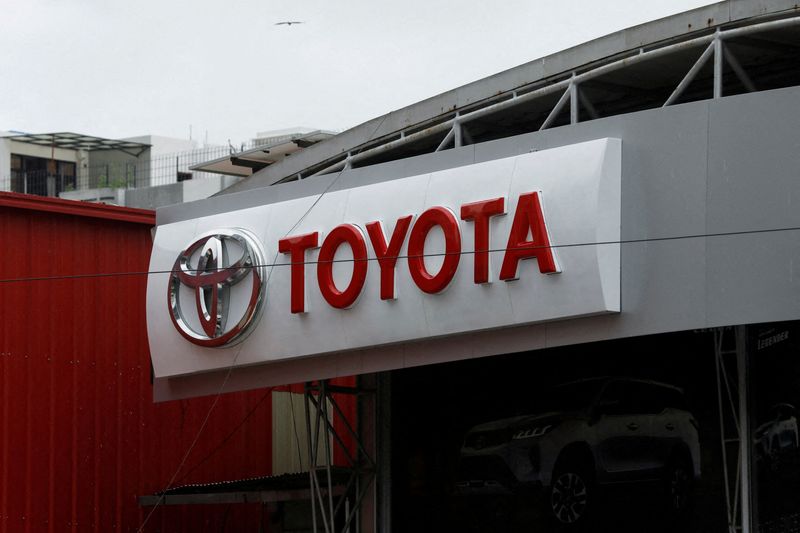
[[121, 68]]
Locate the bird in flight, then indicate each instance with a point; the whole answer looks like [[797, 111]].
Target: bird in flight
[[288, 22]]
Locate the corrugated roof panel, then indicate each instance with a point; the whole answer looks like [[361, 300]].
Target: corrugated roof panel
[[80, 437]]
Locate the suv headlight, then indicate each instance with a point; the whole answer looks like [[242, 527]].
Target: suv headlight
[[532, 432]]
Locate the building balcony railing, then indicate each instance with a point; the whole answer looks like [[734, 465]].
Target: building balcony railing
[[145, 172], [38, 182]]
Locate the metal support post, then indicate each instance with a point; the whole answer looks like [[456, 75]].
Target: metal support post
[[322, 408], [717, 65], [446, 140], [557, 109], [336, 503], [730, 347], [742, 364], [574, 106], [718, 339], [701, 61], [311, 461], [384, 443]]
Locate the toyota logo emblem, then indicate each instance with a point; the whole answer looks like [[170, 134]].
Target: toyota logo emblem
[[216, 287]]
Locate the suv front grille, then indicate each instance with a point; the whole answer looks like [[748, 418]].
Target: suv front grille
[[485, 468]]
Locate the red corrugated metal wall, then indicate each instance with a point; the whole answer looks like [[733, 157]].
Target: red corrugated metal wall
[[80, 437]]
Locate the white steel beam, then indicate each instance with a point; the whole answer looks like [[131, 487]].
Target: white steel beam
[[544, 88]]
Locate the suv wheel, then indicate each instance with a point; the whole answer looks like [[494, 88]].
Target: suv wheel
[[570, 496]]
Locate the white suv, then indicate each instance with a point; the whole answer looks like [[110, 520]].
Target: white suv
[[586, 434], [777, 441]]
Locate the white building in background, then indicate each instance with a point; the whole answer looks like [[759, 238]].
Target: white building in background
[[181, 170], [49, 164], [146, 171]]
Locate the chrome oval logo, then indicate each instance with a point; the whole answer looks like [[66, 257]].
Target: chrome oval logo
[[216, 287]]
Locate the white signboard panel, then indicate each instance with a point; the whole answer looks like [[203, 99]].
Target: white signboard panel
[[224, 289]]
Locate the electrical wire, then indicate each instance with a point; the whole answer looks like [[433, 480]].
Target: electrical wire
[[191, 446], [276, 264], [442, 254], [228, 437], [294, 428], [236, 356]]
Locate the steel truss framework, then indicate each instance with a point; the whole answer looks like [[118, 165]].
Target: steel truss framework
[[568, 84], [336, 508], [730, 351]]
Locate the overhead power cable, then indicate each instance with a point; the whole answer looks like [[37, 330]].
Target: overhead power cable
[[440, 254]]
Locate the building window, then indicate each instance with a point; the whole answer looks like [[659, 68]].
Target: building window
[[41, 176]]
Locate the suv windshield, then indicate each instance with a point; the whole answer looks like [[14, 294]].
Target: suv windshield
[[569, 397]]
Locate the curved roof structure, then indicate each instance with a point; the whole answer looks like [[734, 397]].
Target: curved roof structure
[[726, 48]]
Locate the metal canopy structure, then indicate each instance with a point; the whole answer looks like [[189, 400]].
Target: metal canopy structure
[[77, 141], [585, 92], [332, 510], [268, 489], [337, 494], [724, 49], [247, 162]]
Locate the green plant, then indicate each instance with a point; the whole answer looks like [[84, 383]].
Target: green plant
[[113, 183]]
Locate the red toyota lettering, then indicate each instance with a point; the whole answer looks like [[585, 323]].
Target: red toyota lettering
[[480, 213], [352, 235], [296, 247], [528, 218], [387, 255], [444, 218]]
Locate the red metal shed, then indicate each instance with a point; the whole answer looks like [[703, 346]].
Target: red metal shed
[[80, 436]]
